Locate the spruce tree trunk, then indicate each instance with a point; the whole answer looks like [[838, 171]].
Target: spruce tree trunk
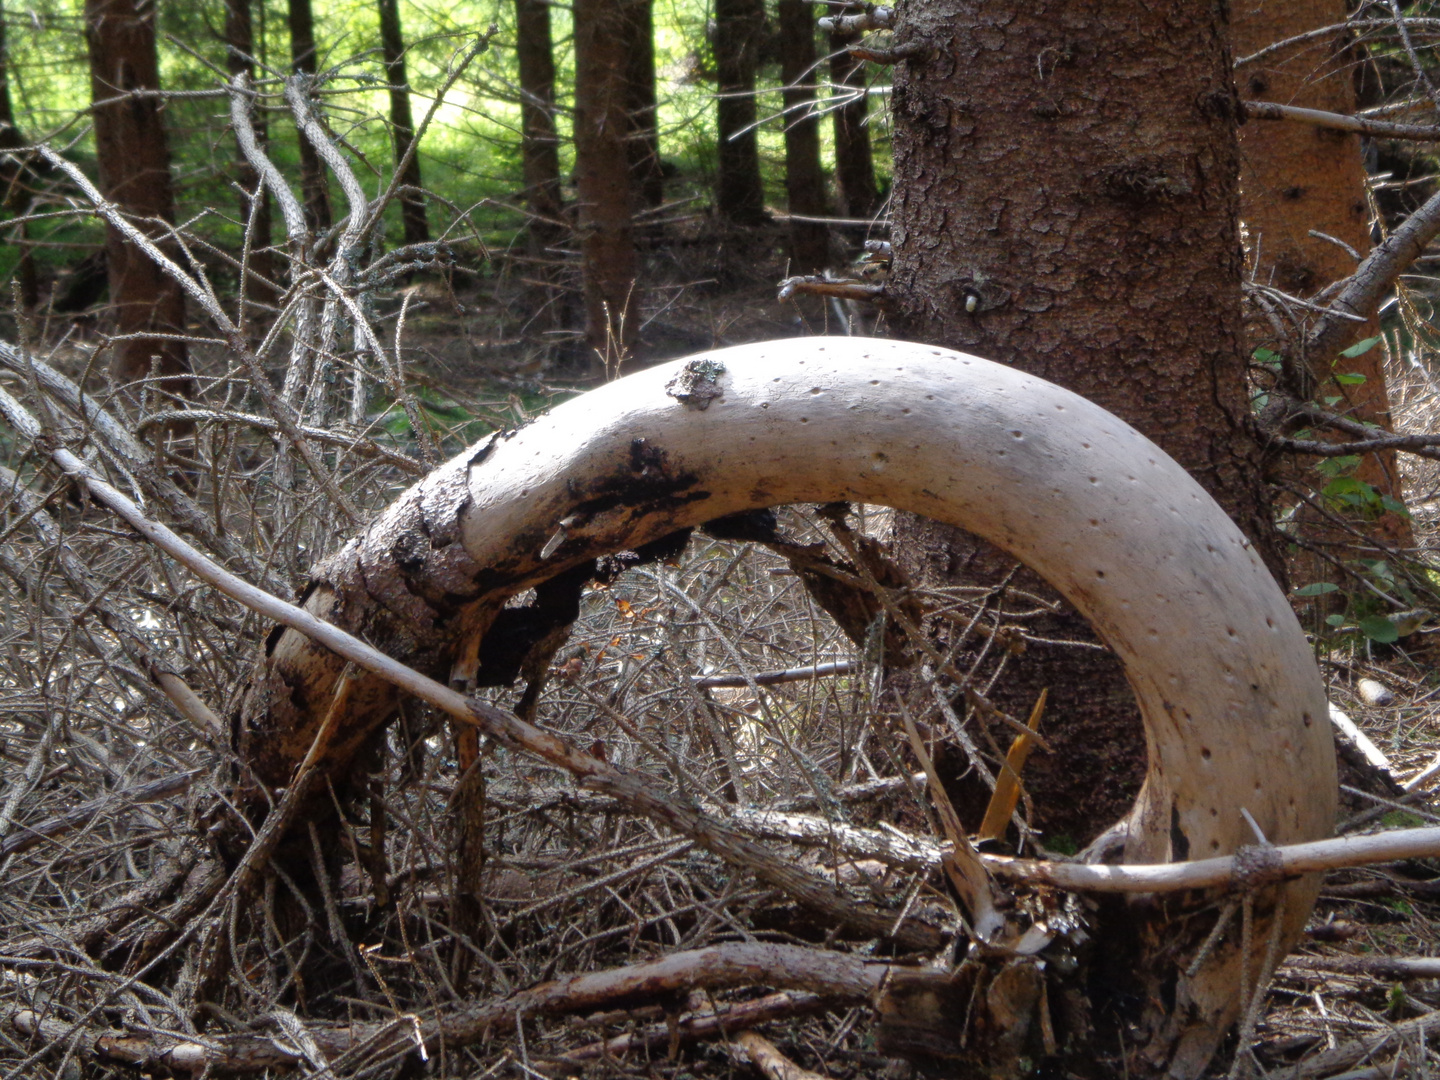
[[804, 177], [540, 157], [14, 196], [648, 182], [854, 159], [254, 199], [134, 164], [739, 194], [313, 184], [402, 123], [602, 178], [1101, 252], [1296, 180]]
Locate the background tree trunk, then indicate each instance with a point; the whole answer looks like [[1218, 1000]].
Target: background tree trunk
[[14, 196], [540, 156], [254, 199], [313, 183], [402, 123], [134, 164], [854, 160], [739, 194], [1102, 253], [804, 177], [648, 182], [602, 178], [1296, 179]]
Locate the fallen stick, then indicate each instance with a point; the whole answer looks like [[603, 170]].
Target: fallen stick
[[31, 835], [774, 678], [839, 978]]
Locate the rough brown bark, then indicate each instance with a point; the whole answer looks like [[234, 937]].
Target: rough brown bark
[[1066, 202], [804, 177], [602, 178], [540, 155], [254, 199], [134, 164], [648, 181], [402, 123], [1297, 179], [303, 58], [854, 159], [739, 193]]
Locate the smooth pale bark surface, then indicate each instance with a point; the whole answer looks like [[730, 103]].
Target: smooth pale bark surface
[[1234, 709]]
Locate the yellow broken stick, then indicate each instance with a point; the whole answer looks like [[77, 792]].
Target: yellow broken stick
[[1007, 784]]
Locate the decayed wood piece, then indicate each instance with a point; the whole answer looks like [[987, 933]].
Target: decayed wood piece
[[1234, 709]]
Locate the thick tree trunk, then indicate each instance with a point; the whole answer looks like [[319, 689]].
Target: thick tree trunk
[[540, 156], [739, 193], [648, 181], [254, 199], [602, 179], [1233, 705], [804, 177], [1101, 251], [402, 123], [854, 159], [134, 164], [1297, 180], [303, 59], [14, 194]]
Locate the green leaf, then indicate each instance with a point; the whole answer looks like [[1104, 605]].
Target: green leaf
[[1394, 506], [1336, 466], [1379, 629], [1335, 620], [1360, 348], [1265, 355], [1379, 567], [1352, 379], [1320, 588], [1332, 401]]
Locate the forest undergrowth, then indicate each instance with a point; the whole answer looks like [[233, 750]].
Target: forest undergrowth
[[709, 668]]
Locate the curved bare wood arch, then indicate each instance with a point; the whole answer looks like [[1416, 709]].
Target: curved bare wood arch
[[1233, 706]]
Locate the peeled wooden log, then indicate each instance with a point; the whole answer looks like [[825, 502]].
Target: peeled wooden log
[[1233, 706]]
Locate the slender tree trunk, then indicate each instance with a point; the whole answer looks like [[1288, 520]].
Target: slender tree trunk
[[804, 177], [540, 155], [644, 148], [602, 178], [303, 59], [1102, 253], [14, 178], [402, 123], [134, 165], [739, 193], [854, 160], [1297, 180], [254, 199]]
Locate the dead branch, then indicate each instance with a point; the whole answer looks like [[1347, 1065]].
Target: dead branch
[[1375, 129], [1374, 278], [767, 1058], [31, 835], [775, 678], [837, 978]]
